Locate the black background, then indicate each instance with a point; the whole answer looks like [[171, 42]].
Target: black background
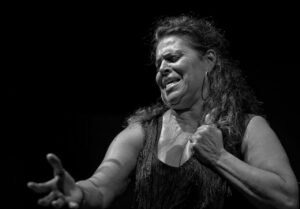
[[73, 73]]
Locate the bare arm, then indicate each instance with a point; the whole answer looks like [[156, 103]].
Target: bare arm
[[111, 177], [107, 182], [265, 176]]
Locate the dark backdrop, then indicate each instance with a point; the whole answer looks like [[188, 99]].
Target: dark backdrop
[[73, 73]]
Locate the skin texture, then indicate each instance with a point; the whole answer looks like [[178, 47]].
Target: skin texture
[[264, 177]]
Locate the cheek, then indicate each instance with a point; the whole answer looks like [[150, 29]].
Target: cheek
[[158, 79], [196, 78]]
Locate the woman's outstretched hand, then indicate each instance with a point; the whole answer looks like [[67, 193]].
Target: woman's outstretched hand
[[61, 190]]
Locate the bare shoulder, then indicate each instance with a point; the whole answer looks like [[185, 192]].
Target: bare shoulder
[[262, 148], [257, 131]]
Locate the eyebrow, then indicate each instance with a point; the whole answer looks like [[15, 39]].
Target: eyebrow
[[176, 51]]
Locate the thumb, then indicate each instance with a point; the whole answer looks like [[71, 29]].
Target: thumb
[[209, 117], [208, 120], [192, 140]]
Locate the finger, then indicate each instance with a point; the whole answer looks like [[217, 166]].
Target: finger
[[42, 187], [208, 119], [58, 203], [56, 164], [45, 201]]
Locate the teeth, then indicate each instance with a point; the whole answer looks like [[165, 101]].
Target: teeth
[[169, 85], [172, 81]]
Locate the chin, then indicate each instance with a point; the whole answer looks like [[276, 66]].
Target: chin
[[173, 102], [178, 107]]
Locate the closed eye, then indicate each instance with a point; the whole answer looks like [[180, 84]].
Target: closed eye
[[171, 58]]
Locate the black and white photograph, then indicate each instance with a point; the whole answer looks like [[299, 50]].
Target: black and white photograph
[[151, 106]]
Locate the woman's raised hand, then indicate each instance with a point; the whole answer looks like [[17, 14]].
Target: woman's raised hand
[[61, 190], [207, 142]]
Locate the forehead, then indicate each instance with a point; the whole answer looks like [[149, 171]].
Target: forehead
[[172, 44]]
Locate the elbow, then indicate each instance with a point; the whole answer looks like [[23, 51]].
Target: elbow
[[292, 203], [293, 198], [287, 203], [290, 195], [285, 199]]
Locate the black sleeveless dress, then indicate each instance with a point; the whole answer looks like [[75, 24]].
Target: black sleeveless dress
[[190, 186]]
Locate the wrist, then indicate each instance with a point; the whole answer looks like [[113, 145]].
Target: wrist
[[81, 196], [223, 156]]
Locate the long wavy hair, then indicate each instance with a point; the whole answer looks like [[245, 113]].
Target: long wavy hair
[[228, 95]]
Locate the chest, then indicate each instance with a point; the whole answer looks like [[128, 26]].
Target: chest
[[174, 147]]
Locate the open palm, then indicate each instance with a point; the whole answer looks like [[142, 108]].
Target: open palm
[[61, 190]]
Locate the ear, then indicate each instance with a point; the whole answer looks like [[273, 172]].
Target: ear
[[211, 57]]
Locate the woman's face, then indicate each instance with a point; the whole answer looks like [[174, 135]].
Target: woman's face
[[180, 72]]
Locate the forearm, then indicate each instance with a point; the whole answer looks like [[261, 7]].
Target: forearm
[[101, 189], [263, 188]]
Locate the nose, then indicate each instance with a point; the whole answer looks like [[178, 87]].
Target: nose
[[164, 68]]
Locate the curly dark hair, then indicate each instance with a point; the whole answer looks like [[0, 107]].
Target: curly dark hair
[[229, 96]]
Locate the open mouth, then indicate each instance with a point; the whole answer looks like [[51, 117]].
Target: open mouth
[[170, 82], [170, 85]]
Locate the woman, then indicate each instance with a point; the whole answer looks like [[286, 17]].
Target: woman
[[202, 147]]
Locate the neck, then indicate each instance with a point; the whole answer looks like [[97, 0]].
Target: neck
[[189, 119]]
